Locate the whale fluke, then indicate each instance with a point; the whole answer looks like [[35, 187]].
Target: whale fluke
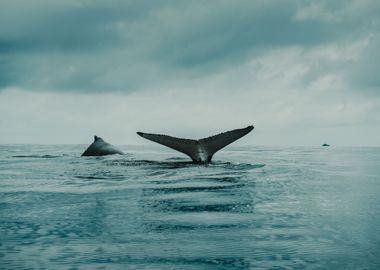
[[202, 150], [101, 148]]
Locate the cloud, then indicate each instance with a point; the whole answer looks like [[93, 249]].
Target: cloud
[[299, 71], [314, 11], [128, 46], [364, 74]]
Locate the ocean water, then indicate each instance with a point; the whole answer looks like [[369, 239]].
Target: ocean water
[[252, 208]]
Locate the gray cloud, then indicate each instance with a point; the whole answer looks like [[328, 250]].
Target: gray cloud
[[365, 73], [125, 46]]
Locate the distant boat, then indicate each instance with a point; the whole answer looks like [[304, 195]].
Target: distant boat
[[325, 144]]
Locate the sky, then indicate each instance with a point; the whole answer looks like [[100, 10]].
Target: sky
[[302, 72]]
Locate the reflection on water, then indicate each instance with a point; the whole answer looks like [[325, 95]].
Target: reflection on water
[[279, 208]]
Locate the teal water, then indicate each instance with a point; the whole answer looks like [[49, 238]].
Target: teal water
[[252, 208]]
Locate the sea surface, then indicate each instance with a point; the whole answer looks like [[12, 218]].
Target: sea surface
[[251, 208]]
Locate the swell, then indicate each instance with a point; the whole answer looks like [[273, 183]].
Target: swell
[[39, 156]]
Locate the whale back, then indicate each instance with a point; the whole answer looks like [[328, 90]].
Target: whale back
[[101, 148], [202, 150]]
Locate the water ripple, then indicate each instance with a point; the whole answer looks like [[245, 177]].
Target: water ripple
[[254, 208]]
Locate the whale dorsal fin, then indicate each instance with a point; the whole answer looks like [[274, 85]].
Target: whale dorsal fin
[[198, 150], [101, 148], [97, 138]]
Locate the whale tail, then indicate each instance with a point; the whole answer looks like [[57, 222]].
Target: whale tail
[[201, 150]]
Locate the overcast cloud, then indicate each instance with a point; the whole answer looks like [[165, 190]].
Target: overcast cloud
[[303, 72]]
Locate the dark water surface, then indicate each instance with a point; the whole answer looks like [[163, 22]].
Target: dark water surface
[[252, 208]]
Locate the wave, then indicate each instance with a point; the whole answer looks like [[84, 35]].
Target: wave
[[178, 163], [100, 177], [236, 166], [39, 156]]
